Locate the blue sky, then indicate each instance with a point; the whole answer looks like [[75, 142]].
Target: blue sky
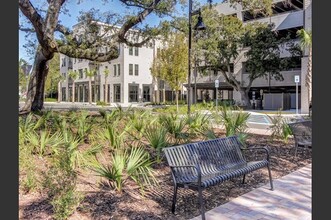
[[74, 9]]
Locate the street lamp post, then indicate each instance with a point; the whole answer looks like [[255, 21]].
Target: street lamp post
[[199, 26]]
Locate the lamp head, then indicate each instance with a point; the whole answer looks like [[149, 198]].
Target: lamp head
[[200, 25]]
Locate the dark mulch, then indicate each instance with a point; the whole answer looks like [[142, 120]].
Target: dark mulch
[[103, 203]]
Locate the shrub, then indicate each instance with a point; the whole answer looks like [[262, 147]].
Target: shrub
[[60, 182], [134, 165], [156, 136]]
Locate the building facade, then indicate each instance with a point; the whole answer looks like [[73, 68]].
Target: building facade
[[288, 17], [129, 77]]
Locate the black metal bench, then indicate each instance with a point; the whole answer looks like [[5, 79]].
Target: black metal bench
[[302, 133], [207, 163]]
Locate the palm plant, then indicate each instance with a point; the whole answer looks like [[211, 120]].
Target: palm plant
[[112, 136], [84, 124], [175, 126], [198, 123], [306, 41], [106, 73], [89, 74], [235, 122], [73, 75], [134, 165], [44, 142], [157, 138]]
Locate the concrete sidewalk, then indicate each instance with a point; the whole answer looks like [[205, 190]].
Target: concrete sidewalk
[[291, 199]]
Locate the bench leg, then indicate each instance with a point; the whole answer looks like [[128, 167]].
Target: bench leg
[[202, 207], [243, 179], [295, 151], [270, 178], [174, 200]]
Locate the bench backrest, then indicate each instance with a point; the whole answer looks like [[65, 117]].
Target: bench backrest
[[217, 154], [302, 131]]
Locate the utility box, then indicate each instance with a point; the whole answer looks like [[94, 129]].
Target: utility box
[[276, 101]]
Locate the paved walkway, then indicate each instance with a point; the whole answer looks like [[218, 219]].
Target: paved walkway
[[291, 200]]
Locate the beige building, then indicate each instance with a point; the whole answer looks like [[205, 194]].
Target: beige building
[[288, 17]]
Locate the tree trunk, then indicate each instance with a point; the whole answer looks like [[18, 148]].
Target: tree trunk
[[59, 92], [309, 76], [73, 91], [106, 91], [90, 90], [245, 98], [35, 93], [177, 100]]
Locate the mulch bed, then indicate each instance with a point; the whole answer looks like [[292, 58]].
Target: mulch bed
[[101, 202]]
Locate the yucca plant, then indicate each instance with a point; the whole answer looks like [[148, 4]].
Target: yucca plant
[[84, 125], [156, 136], [133, 164]]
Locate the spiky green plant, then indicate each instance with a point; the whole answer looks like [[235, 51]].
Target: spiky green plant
[[84, 124], [175, 125], [44, 142], [133, 164], [156, 136], [199, 123], [112, 136]]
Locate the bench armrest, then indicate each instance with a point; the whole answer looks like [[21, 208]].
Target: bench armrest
[[266, 149], [196, 167]]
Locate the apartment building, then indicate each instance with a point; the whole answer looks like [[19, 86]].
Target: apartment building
[[129, 79], [288, 17]]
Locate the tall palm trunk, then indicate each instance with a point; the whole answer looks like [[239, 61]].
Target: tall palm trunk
[[73, 91], [177, 100], [309, 75], [106, 90], [59, 92], [90, 90], [35, 93]]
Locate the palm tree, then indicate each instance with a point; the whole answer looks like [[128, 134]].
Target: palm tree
[[106, 72], [59, 88], [306, 42], [73, 75], [89, 74]]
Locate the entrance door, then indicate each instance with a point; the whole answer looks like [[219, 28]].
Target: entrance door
[[146, 94], [117, 93], [133, 93]]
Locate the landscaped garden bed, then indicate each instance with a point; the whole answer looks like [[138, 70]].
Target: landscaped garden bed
[[91, 142]]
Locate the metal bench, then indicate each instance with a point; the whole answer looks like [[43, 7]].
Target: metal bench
[[302, 133], [207, 163]]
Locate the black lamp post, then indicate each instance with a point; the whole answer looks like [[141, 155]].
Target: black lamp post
[[199, 26]]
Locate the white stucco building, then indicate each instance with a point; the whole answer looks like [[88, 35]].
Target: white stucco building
[[129, 79]]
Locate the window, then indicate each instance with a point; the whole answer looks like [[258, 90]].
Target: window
[[119, 49], [136, 69], [118, 69], [63, 62], [80, 72], [85, 71], [130, 50], [136, 51], [114, 69], [133, 93], [130, 69]]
